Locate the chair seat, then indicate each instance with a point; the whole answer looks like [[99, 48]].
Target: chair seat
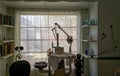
[[40, 65], [20, 68]]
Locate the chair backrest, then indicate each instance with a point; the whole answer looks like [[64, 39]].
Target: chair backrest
[[20, 68], [117, 71]]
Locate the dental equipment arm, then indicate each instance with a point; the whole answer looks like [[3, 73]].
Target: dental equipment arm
[[69, 38]]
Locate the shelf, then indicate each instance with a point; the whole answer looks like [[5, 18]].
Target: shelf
[[90, 40], [88, 25], [6, 36], [84, 25], [89, 56], [7, 56], [8, 41], [8, 26], [86, 56]]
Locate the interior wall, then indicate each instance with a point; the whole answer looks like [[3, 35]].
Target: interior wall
[[85, 16], [109, 38], [93, 63], [4, 62], [3, 8], [94, 10], [109, 14], [11, 11]]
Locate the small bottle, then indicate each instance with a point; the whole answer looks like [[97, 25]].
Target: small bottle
[[86, 52], [91, 52]]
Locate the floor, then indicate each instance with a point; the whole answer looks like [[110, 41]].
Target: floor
[[35, 72], [36, 57]]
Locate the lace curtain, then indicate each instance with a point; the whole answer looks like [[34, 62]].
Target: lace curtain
[[35, 32]]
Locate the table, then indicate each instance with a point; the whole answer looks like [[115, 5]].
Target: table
[[55, 59]]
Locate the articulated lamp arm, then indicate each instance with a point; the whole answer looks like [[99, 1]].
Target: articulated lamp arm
[[69, 38]]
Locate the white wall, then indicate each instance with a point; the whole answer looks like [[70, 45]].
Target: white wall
[[109, 14], [5, 62], [3, 9], [94, 10], [2, 61], [93, 63]]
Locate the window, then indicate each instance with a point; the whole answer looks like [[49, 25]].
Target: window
[[36, 35]]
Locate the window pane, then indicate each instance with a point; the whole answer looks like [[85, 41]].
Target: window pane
[[44, 32], [24, 33], [24, 44], [74, 33], [52, 20], [37, 19], [37, 46], [74, 46], [51, 35], [31, 46], [23, 21], [38, 33], [63, 43], [37, 30], [73, 21], [62, 35], [32, 21], [44, 20], [31, 33], [45, 45], [34, 46]]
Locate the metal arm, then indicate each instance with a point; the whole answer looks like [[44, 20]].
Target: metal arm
[[61, 28], [69, 38]]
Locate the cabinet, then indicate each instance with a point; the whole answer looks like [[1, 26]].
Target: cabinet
[[90, 39], [6, 43], [5, 62], [6, 35], [90, 48]]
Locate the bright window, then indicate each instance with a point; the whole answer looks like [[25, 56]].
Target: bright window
[[36, 35]]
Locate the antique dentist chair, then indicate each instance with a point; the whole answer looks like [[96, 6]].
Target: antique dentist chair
[[20, 68]]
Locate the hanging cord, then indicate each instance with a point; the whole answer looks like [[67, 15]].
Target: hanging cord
[[113, 39], [103, 36]]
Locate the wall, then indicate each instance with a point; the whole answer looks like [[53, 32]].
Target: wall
[[6, 10], [5, 61], [109, 14], [84, 16], [3, 8], [94, 10], [93, 63], [2, 61]]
